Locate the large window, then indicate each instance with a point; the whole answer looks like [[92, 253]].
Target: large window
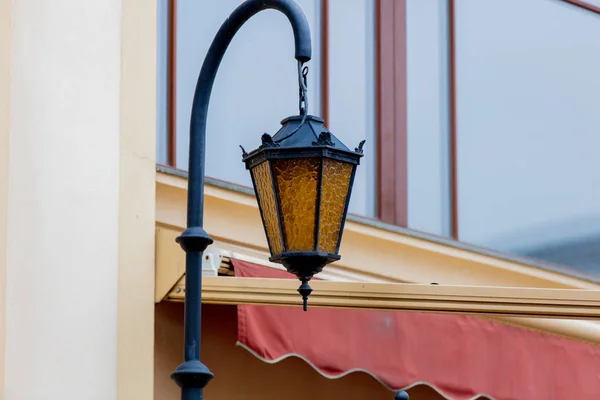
[[528, 128]]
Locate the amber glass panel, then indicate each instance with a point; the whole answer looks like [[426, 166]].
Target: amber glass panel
[[336, 182], [266, 197], [297, 190]]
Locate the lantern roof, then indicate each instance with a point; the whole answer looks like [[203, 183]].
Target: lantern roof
[[302, 136], [308, 134]]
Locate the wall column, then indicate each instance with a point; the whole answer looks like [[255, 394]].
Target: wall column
[[5, 58], [77, 161]]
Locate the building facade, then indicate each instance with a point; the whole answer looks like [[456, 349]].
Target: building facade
[[478, 170]]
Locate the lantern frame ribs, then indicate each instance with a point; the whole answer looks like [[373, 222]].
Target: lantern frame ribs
[[305, 139]]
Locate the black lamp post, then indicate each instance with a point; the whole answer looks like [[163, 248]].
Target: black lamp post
[[302, 177]]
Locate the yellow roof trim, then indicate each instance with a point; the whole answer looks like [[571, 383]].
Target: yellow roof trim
[[370, 252]]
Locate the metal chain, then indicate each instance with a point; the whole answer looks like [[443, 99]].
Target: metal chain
[[302, 88], [303, 98]]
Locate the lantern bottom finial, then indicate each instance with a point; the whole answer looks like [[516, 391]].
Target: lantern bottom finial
[[304, 264], [305, 290]]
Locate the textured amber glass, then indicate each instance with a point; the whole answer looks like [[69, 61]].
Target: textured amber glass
[[297, 190], [336, 182], [266, 197]]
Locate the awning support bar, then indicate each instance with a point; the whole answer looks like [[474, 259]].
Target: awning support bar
[[473, 300]]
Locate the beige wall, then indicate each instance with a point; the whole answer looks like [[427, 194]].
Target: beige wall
[[241, 376], [61, 295], [77, 179], [137, 176]]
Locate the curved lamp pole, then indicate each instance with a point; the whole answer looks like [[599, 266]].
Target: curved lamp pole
[[192, 376], [302, 139]]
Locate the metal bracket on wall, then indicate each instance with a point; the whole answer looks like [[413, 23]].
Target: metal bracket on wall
[[211, 261]]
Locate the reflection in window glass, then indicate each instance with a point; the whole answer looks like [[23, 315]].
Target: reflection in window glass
[[528, 91]]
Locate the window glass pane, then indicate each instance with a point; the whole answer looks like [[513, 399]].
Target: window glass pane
[[256, 86], [528, 129], [427, 116], [162, 31]]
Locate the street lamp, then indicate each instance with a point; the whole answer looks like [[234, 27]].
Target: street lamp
[[302, 177]]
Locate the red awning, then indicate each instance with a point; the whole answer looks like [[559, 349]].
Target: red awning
[[462, 357]]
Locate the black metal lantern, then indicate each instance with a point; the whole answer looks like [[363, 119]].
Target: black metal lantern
[[303, 178]]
